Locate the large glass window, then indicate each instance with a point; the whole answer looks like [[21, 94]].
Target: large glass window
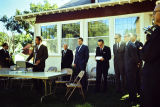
[[70, 33], [49, 34], [127, 25], [97, 30]]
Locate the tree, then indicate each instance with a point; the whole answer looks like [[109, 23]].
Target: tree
[[17, 28], [3, 37], [42, 7]]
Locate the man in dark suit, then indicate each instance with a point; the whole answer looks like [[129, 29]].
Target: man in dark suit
[[119, 50], [5, 58], [81, 59], [103, 55], [131, 63], [67, 57], [39, 55], [138, 45], [151, 69]]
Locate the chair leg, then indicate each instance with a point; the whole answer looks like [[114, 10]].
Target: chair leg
[[71, 94], [80, 91], [55, 89], [50, 86], [68, 89]]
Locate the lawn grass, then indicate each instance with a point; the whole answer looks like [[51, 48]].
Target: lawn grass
[[17, 97]]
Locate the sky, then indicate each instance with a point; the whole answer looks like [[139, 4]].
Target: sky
[[8, 7]]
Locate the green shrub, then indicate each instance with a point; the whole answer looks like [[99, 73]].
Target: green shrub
[[84, 105]]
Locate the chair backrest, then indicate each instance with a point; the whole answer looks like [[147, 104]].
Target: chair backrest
[[79, 77], [52, 69], [69, 72]]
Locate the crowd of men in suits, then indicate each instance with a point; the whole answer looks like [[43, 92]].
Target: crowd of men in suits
[[81, 59], [128, 65], [129, 56]]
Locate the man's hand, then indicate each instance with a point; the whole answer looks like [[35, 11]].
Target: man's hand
[[140, 48], [102, 59], [138, 65], [37, 62], [8, 59], [74, 65]]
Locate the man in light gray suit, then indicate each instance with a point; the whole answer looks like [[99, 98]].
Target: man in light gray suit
[[131, 63], [119, 50]]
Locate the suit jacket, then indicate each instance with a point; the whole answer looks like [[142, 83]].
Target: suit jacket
[[41, 54], [105, 53], [150, 53], [138, 45], [81, 57], [131, 57], [67, 59], [119, 52], [3, 55]]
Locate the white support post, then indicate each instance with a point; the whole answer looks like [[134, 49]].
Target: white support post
[[145, 20], [111, 33], [37, 30], [59, 37], [84, 31], [82, 28]]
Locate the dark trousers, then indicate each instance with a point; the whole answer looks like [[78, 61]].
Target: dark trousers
[[138, 82], [131, 85], [84, 79], [151, 89], [120, 76], [38, 68], [101, 69], [39, 85]]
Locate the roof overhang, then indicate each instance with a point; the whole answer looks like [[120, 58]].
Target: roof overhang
[[32, 16]]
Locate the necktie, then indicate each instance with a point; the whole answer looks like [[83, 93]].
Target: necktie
[[118, 46], [64, 52], [101, 50], [79, 48], [35, 55], [36, 49]]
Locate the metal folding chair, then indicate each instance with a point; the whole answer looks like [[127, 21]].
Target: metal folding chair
[[69, 72], [92, 77], [76, 84], [52, 69]]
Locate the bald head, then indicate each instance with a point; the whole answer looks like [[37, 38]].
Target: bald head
[[65, 46], [127, 37], [133, 37], [117, 38], [156, 14]]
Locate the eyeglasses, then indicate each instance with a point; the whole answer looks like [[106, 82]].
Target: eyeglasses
[[154, 12]]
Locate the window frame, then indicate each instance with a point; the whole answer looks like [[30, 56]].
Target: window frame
[[84, 28]]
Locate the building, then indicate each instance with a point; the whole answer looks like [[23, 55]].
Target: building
[[92, 20]]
